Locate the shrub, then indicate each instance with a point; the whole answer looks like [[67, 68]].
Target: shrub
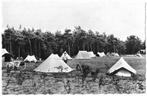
[[94, 74], [85, 71]]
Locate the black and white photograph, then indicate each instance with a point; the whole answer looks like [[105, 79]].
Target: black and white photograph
[[69, 47]]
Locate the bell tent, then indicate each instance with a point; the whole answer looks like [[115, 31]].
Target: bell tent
[[122, 68], [101, 54], [53, 64], [82, 55], [4, 51], [30, 58], [139, 55], [115, 54], [6, 56], [65, 56], [91, 54]]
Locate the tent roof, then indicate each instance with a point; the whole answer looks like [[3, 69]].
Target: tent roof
[[121, 63], [54, 56], [4, 51], [101, 54], [139, 55], [65, 56], [112, 54], [82, 55], [115, 54], [91, 54], [53, 64], [30, 58]]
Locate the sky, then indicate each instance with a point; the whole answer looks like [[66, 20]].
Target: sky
[[119, 17]]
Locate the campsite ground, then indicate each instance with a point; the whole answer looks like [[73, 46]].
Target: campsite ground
[[33, 83], [139, 64]]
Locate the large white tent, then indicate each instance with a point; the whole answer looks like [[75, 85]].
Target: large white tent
[[101, 54], [65, 56], [82, 55], [30, 58], [91, 54], [53, 64], [122, 68]]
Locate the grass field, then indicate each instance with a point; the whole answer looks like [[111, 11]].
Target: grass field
[[139, 64], [33, 83]]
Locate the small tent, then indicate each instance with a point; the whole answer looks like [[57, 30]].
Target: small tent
[[101, 54], [6, 56], [91, 54], [30, 58], [82, 55], [122, 68], [53, 64], [142, 51], [65, 56], [115, 54], [4, 51], [139, 55]]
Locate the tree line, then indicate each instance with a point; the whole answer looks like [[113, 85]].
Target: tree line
[[26, 41]]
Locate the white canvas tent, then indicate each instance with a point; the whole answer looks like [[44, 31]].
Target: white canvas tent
[[82, 55], [122, 68], [139, 55], [142, 51], [65, 56], [53, 64], [4, 51], [6, 56], [115, 54], [101, 54], [91, 54], [30, 58]]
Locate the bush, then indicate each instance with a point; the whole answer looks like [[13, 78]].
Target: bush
[[85, 71], [20, 78], [94, 74]]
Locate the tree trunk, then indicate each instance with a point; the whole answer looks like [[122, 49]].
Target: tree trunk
[[83, 46], [90, 47], [10, 45], [68, 49], [35, 48], [19, 51], [39, 50], [113, 48], [30, 46]]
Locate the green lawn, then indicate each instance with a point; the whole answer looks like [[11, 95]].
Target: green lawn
[[138, 63]]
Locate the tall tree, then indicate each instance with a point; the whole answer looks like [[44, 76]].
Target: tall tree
[[133, 44], [42, 44], [20, 42], [68, 39], [112, 43]]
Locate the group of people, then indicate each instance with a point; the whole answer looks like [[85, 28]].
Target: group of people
[[14, 65]]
